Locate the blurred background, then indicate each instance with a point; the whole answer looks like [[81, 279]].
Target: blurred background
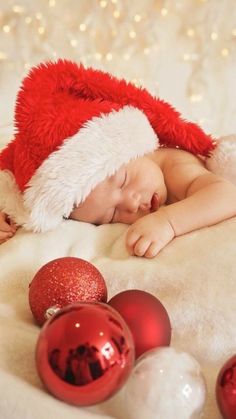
[[183, 51]]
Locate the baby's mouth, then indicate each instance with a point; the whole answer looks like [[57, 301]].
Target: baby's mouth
[[155, 202]]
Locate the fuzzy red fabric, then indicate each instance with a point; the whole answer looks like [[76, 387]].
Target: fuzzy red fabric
[[56, 100]]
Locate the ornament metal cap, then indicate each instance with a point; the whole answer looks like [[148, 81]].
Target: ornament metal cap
[[51, 311]]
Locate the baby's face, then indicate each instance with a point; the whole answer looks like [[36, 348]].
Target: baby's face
[[135, 190]]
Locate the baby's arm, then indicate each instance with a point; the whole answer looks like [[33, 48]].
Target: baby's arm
[[7, 228], [203, 199], [208, 202]]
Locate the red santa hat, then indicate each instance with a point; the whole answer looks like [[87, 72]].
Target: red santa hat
[[74, 128]]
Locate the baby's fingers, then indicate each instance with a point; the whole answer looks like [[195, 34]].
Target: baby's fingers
[[6, 225], [131, 238], [136, 244], [141, 246], [153, 250], [4, 235], [13, 225]]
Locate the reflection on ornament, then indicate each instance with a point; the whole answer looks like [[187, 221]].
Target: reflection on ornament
[[85, 353], [165, 383]]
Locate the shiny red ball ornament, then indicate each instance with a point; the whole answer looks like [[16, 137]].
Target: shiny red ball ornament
[[64, 281], [146, 317], [85, 353], [226, 389]]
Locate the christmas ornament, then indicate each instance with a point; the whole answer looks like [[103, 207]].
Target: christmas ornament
[[146, 317], [165, 383], [85, 353], [66, 140], [226, 389], [63, 281]]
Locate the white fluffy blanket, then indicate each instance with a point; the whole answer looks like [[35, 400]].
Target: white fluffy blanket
[[194, 277]]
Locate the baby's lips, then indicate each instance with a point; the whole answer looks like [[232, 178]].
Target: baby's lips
[[155, 202]]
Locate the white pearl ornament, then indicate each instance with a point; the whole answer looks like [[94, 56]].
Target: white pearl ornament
[[166, 384]]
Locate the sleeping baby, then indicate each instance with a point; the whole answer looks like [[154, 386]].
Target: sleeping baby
[[96, 149]]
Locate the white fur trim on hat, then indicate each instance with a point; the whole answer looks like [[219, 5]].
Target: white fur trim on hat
[[222, 161], [97, 151]]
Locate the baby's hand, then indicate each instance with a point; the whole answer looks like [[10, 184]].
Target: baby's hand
[[148, 235], [7, 228]]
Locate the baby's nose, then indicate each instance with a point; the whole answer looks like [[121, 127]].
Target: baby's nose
[[131, 201]]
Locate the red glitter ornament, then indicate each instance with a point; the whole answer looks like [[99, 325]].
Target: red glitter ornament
[[85, 353], [64, 281], [146, 317], [226, 389]]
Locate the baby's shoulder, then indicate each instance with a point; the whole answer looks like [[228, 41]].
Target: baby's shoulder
[[180, 168], [174, 156]]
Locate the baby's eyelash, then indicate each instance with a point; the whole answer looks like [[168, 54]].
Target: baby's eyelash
[[123, 183]]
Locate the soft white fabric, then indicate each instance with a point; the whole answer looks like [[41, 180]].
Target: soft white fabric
[[194, 277]]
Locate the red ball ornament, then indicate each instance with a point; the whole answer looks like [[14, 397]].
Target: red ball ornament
[[85, 353], [64, 281], [226, 389], [146, 317]]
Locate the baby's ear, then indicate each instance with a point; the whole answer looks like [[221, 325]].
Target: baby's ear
[[222, 160]]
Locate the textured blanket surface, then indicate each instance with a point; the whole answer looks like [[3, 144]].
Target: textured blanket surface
[[194, 277]]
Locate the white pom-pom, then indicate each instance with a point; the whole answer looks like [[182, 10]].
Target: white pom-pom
[[222, 161]]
